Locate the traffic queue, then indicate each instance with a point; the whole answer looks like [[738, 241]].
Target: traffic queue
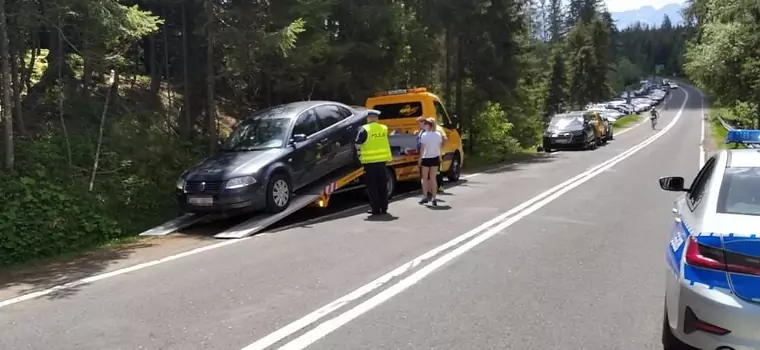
[[313, 149], [594, 126]]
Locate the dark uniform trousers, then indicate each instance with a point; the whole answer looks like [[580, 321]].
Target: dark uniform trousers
[[376, 180]]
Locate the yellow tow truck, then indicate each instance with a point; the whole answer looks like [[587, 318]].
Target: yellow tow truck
[[399, 110]]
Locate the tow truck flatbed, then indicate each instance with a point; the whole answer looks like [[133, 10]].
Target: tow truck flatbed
[[317, 195]]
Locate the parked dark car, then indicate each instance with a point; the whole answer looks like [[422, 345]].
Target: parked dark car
[[570, 130], [270, 155]]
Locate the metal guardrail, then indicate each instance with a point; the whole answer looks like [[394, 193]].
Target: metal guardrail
[[729, 127]]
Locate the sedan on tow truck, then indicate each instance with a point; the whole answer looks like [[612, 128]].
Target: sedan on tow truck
[[270, 155]]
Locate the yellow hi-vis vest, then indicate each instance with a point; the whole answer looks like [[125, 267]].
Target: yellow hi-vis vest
[[377, 148]]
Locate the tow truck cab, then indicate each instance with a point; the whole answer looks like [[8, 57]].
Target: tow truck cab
[[399, 110]]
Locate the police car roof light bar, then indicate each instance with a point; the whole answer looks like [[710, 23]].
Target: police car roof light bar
[[743, 136]]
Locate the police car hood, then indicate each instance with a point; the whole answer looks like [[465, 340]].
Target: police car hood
[[740, 236]]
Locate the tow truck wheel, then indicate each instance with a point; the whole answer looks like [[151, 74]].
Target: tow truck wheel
[[455, 169], [391, 176], [391, 184], [279, 193]]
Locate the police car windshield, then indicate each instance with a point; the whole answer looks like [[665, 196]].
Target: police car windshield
[[740, 192], [257, 133]]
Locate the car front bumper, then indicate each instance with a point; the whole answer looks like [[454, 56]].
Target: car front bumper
[[714, 306], [573, 141], [251, 198]]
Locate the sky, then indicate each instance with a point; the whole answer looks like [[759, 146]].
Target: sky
[[625, 5]]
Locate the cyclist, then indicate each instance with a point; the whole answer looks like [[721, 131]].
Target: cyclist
[[653, 116]]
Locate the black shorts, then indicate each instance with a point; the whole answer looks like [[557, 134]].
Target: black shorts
[[431, 162]]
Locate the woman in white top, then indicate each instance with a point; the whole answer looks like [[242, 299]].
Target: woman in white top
[[431, 142]]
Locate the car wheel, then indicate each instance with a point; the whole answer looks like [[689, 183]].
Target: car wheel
[[455, 169], [669, 341], [279, 193]]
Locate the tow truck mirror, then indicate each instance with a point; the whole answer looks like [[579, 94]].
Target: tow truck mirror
[[298, 138], [672, 183]]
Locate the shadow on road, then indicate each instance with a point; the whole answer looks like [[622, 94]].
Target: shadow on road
[[28, 279]]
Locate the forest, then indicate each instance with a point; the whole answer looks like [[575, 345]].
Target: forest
[[106, 102], [723, 56]]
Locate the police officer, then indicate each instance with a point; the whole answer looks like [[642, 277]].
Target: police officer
[[375, 148]]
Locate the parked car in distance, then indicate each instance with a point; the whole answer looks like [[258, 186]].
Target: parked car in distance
[[270, 155], [573, 130]]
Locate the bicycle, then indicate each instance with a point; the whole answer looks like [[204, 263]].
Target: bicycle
[[654, 122]]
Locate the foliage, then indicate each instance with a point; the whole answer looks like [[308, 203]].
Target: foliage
[[187, 70]]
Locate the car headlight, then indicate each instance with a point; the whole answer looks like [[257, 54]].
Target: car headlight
[[240, 182], [180, 183]]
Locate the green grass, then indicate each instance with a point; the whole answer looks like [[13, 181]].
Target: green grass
[[473, 162], [626, 121], [718, 132]]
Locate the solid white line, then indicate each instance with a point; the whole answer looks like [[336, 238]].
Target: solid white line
[[114, 273], [513, 214], [702, 151]]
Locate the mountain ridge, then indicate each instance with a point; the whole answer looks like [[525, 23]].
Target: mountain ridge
[[648, 15]]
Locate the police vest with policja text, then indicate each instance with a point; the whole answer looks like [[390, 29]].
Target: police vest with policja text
[[377, 148]]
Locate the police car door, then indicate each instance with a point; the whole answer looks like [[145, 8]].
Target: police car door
[[688, 212], [304, 158]]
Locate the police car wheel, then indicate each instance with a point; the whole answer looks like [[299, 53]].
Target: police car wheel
[[279, 193], [669, 341]]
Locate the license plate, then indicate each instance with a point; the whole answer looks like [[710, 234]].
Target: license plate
[[562, 140], [201, 201]]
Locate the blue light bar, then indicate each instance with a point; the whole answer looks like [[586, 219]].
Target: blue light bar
[[743, 136]]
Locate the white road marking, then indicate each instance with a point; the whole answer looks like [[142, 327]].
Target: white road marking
[[481, 234], [103, 276], [702, 152]]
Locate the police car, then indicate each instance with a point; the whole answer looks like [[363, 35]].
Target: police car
[[712, 297]]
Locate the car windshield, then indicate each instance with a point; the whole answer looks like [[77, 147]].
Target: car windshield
[[738, 192], [265, 129], [566, 121]]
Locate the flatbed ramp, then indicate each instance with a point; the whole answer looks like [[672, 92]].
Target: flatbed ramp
[[173, 225], [317, 193], [262, 221]]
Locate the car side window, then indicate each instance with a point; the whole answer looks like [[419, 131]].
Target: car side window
[[306, 124], [441, 115], [344, 112], [700, 184], [328, 116]]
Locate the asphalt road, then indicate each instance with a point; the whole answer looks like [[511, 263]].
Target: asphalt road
[[580, 268]]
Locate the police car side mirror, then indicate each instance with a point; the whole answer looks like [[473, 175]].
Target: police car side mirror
[[673, 183], [298, 138]]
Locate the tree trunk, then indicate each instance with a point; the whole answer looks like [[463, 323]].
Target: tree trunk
[[16, 66], [188, 124], [210, 110], [7, 92]]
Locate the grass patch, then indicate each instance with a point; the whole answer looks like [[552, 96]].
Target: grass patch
[[718, 132], [474, 162], [626, 121]]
